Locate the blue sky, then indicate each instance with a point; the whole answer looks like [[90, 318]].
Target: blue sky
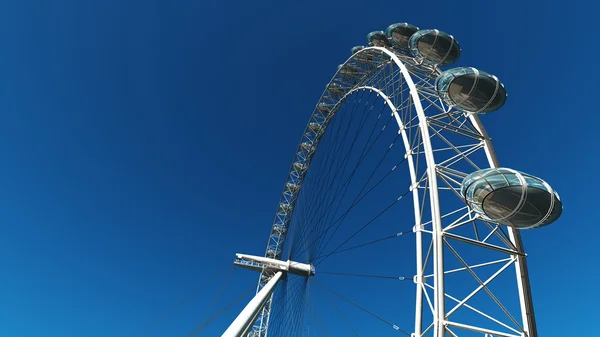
[[144, 143]]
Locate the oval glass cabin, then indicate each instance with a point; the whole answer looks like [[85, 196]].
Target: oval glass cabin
[[400, 33], [378, 39], [434, 47], [471, 90], [512, 198]]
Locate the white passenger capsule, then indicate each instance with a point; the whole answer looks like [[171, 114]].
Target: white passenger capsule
[[512, 198], [378, 39], [400, 33], [434, 47], [471, 90]]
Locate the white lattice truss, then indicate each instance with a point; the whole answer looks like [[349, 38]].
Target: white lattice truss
[[442, 145]]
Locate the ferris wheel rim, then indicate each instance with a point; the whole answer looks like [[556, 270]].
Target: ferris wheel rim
[[406, 75], [432, 180], [416, 100]]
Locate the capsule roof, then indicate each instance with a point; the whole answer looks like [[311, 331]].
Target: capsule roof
[[434, 47], [471, 90], [510, 197], [400, 33], [356, 49], [378, 39]]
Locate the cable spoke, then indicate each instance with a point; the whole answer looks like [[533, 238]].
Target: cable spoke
[[346, 320], [321, 201], [358, 197], [364, 226], [183, 302], [220, 312], [368, 243], [401, 278], [281, 318], [362, 308]]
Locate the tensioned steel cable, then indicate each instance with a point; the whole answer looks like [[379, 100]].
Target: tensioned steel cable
[[329, 212], [294, 320], [339, 220], [290, 317], [319, 322], [340, 167], [369, 243], [355, 203], [337, 142], [330, 160], [366, 150], [358, 196], [165, 316], [298, 321], [218, 294], [325, 230], [282, 315], [362, 156], [323, 198], [318, 200], [344, 163], [394, 326], [346, 320], [310, 305], [400, 278], [338, 121], [202, 326], [298, 209], [365, 226]]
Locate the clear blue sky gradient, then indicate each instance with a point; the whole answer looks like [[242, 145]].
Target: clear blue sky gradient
[[144, 143]]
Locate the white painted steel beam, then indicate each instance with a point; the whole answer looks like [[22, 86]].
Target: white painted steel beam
[[243, 323]]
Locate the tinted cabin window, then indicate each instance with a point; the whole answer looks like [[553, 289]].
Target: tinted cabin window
[[380, 40], [438, 48], [502, 202], [401, 35], [473, 93]]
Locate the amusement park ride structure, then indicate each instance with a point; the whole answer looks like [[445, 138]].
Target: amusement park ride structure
[[443, 105]]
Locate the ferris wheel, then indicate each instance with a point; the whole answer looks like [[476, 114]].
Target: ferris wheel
[[395, 171]]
